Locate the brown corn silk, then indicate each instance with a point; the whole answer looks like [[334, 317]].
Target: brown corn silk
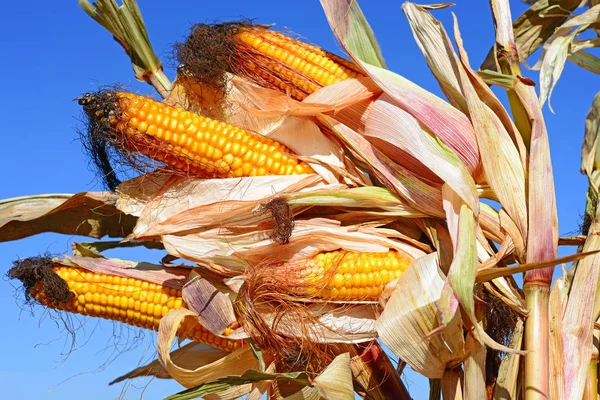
[[266, 57], [128, 300]]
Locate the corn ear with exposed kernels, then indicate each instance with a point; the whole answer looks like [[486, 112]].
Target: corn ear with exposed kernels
[[185, 141], [268, 58], [128, 300]]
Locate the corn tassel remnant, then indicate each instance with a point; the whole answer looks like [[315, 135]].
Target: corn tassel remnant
[[268, 58]]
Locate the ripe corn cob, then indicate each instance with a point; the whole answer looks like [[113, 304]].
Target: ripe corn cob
[[350, 275], [132, 301], [186, 141], [268, 58]]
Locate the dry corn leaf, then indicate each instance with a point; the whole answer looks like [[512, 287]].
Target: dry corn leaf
[[501, 160], [452, 384], [309, 237], [323, 154], [192, 355], [92, 214], [559, 46], [557, 305], [235, 363], [507, 382], [542, 237], [419, 194], [328, 323], [409, 319], [474, 364], [438, 51], [399, 130], [362, 197], [535, 26], [450, 125], [135, 193]]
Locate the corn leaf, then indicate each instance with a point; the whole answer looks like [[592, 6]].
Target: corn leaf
[[500, 157], [438, 52], [235, 363], [559, 46], [410, 316], [507, 382], [441, 118], [533, 28], [399, 130], [405, 184], [452, 384], [474, 379], [192, 355], [557, 306], [90, 214], [352, 30], [227, 382], [586, 60]]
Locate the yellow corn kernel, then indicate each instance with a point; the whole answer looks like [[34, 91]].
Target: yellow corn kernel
[[209, 153], [290, 65], [97, 298], [349, 275]]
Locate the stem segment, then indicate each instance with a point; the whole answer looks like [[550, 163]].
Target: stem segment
[[537, 361]]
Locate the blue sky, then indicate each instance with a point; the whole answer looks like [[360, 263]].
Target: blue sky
[[52, 52]]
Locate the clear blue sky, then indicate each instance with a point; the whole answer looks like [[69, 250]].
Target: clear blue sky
[[52, 52]]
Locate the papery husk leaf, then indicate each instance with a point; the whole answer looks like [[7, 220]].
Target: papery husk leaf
[[335, 382], [508, 383], [474, 364], [353, 31], [309, 238], [184, 205], [398, 129], [329, 323], [236, 363], [323, 154], [410, 316], [557, 306], [90, 214], [267, 103], [260, 388], [192, 355], [135, 193], [214, 308], [405, 184], [452, 384], [535, 26], [500, 158], [172, 277], [448, 123]]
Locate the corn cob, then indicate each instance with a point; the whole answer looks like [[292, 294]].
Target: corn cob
[[268, 58], [132, 301], [350, 275], [186, 141]]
